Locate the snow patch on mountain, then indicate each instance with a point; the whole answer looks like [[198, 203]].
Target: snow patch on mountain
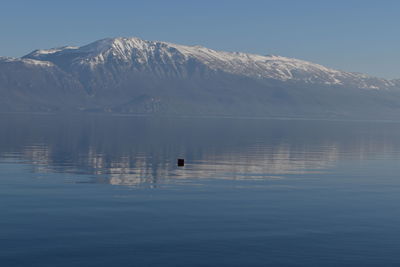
[[39, 52], [27, 61]]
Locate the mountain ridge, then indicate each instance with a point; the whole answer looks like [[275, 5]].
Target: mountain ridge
[[131, 75], [251, 65]]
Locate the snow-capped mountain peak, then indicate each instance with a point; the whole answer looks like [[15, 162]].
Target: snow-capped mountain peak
[[131, 75], [166, 58]]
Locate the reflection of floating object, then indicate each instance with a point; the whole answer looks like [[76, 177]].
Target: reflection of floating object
[[181, 162]]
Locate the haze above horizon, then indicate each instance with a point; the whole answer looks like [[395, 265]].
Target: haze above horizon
[[358, 36]]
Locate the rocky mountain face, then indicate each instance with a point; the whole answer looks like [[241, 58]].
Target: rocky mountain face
[[130, 75]]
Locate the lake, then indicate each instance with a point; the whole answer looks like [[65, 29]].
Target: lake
[[103, 190]]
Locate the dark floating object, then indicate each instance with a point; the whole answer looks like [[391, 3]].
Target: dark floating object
[[181, 162]]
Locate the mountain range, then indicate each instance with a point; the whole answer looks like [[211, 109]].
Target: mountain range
[[131, 75]]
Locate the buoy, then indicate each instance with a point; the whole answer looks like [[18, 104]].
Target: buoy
[[181, 162]]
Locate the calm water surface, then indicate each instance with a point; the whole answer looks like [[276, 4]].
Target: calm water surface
[[105, 191]]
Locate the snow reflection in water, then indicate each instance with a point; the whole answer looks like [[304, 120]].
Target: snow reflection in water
[[139, 150]]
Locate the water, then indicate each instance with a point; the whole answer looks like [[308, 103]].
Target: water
[[106, 191]]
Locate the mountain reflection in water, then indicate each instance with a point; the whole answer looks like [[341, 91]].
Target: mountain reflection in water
[[125, 150]]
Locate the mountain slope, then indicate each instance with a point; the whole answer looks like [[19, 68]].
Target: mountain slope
[[131, 75], [32, 85]]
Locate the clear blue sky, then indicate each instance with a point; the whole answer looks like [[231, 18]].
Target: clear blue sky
[[352, 35]]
